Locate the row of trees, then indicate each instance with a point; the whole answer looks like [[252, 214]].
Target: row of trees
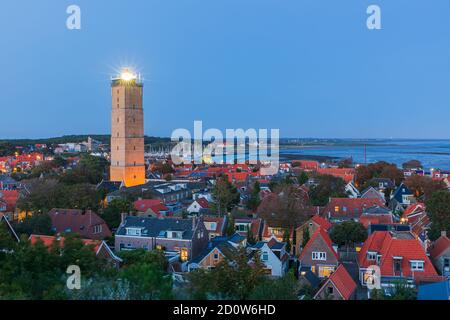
[[37, 272]]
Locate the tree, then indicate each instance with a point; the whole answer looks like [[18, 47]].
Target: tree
[[306, 236], [90, 169], [112, 213], [328, 186], [287, 207], [230, 229], [400, 291], [225, 195], [39, 223], [424, 186], [287, 240], [250, 236], [7, 241], [302, 178], [348, 233], [438, 209], [228, 281], [283, 288], [412, 164], [254, 200], [380, 169]]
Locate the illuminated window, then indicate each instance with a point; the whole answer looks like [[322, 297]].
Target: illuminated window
[[325, 272], [336, 209], [184, 256]]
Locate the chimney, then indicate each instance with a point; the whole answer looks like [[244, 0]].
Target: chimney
[[444, 233], [123, 215]]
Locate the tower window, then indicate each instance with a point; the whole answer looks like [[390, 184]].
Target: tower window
[[117, 147], [117, 162], [117, 105], [117, 119], [117, 134], [134, 147], [134, 177], [117, 99], [135, 163]]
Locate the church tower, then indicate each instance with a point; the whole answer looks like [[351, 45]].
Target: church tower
[[127, 130]]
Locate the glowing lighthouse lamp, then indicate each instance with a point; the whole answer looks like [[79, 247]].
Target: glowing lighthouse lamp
[[127, 75]]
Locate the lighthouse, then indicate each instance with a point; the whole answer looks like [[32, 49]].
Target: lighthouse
[[127, 129]]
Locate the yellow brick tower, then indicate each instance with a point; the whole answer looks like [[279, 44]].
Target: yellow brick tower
[[127, 130]]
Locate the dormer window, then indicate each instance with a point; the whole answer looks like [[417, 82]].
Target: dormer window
[[174, 234], [133, 231], [371, 255], [417, 265]]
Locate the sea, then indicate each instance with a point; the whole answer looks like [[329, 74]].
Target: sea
[[431, 153]]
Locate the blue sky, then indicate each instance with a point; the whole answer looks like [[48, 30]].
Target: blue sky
[[308, 67]]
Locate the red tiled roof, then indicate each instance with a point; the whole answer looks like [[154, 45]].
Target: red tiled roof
[[389, 247], [347, 174], [10, 198], [343, 282], [203, 203], [218, 220], [255, 224], [368, 219], [48, 241], [413, 208], [78, 222], [350, 207], [323, 223], [306, 164], [324, 235], [439, 246], [154, 204]]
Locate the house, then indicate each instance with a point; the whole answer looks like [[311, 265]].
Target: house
[[243, 225], [306, 165], [343, 209], [215, 225], [312, 224], [376, 215], [346, 174], [8, 183], [151, 208], [440, 254], [434, 291], [352, 191], [416, 216], [398, 256], [279, 233], [101, 249], [187, 237], [273, 255], [218, 250], [198, 205], [308, 278], [401, 198], [8, 202], [86, 223], [319, 254], [371, 193], [381, 184], [339, 286]]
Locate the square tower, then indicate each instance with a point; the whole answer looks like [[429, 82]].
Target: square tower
[[127, 130]]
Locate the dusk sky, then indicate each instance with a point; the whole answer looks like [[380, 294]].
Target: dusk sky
[[310, 68]]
